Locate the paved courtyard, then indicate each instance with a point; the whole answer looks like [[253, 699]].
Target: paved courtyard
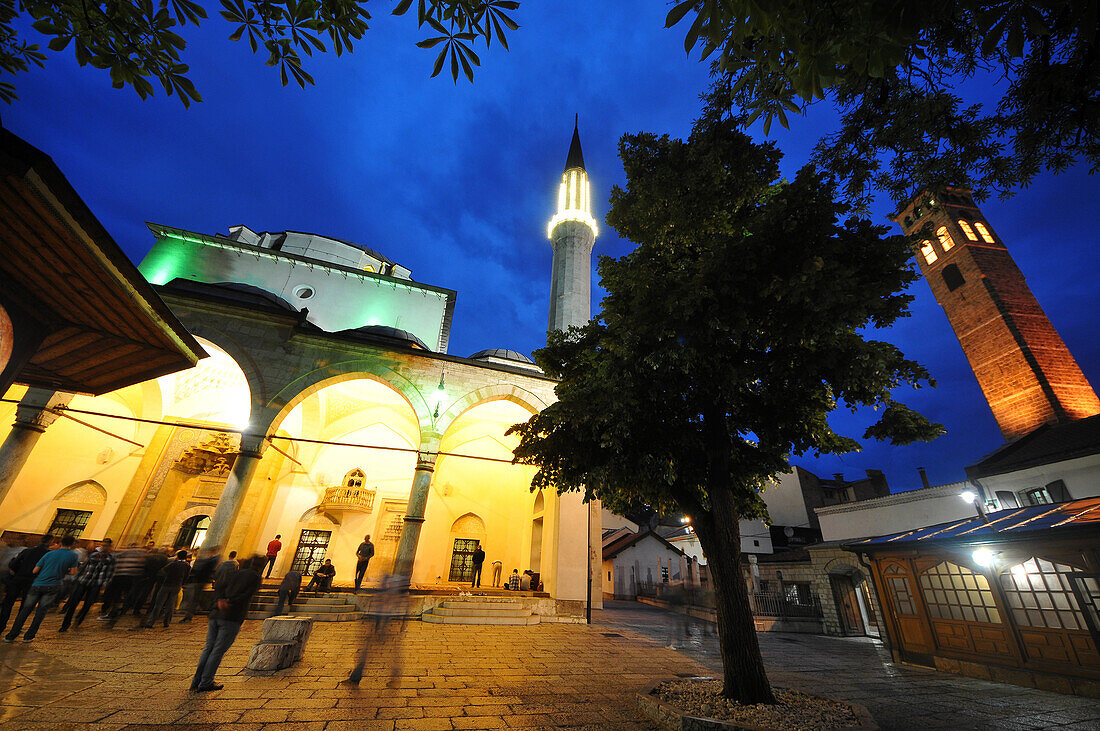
[[456, 677]]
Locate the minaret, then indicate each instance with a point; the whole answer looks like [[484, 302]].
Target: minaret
[[1025, 371], [572, 233]]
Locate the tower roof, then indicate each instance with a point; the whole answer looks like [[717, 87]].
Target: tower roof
[[575, 159]]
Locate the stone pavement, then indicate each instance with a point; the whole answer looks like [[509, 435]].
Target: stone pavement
[[457, 677], [861, 670]]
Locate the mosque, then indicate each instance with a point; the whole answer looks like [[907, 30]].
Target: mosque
[[327, 408]]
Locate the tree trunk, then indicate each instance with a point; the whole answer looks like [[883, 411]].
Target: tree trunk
[[744, 677], [719, 530]]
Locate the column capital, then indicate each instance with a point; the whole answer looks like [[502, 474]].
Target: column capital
[[253, 445], [35, 409]]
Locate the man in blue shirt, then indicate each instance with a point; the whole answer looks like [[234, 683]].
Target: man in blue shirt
[[48, 573]]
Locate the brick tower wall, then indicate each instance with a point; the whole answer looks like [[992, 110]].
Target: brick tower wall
[[1027, 374]]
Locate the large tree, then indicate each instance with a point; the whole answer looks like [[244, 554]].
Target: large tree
[[139, 41], [984, 94], [727, 337]]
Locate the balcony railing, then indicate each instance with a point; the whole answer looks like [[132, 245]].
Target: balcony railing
[[357, 499]]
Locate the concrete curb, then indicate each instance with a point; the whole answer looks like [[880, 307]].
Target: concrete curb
[[670, 718]]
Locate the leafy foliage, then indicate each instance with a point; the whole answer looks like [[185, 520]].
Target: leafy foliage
[[139, 44], [896, 70], [726, 339]]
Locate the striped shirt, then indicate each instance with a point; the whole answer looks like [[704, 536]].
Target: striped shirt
[[98, 570]]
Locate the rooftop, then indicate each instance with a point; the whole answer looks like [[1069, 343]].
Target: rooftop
[[1049, 443]]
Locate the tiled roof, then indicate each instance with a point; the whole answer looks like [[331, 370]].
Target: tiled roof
[[1047, 444]]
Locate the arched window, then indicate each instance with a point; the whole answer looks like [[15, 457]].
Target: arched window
[[945, 238], [986, 236], [354, 478], [952, 277], [898, 585], [192, 532], [967, 230], [928, 252], [1040, 594], [955, 592]]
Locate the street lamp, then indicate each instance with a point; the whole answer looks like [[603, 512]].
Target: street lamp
[[972, 497]]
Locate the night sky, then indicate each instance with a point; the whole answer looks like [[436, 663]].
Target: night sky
[[458, 182]]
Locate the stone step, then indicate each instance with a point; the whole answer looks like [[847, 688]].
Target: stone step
[[311, 601], [474, 612], [300, 608], [433, 618], [317, 616], [481, 605]]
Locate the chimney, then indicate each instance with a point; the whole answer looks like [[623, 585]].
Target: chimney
[[923, 477]]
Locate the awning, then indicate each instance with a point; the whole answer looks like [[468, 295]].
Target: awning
[[85, 320]]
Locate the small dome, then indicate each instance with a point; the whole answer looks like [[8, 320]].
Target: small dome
[[388, 333], [502, 354], [236, 291]]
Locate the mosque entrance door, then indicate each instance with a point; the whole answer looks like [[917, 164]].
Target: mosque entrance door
[[310, 553], [192, 532], [462, 560]]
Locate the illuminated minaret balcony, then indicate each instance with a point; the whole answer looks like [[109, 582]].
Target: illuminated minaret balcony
[[572, 233]]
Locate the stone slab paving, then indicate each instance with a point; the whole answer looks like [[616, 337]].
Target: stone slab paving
[[426, 677], [480, 677], [861, 670]]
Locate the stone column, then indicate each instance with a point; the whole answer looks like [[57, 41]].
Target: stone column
[[32, 416], [414, 514], [236, 486]]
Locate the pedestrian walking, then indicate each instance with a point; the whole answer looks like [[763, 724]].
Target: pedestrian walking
[[93, 577], [273, 548], [363, 555], [43, 592], [478, 559], [149, 583], [386, 616], [288, 590], [231, 600], [173, 575], [129, 566], [202, 572], [20, 576]]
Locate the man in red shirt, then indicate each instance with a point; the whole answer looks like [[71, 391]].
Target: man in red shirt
[[273, 549]]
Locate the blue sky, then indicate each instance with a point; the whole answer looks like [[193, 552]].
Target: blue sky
[[457, 182]]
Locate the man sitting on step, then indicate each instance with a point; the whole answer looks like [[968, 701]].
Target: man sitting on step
[[323, 576]]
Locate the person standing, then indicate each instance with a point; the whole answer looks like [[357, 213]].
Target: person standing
[[479, 559], [20, 576], [43, 592], [174, 574], [151, 579], [202, 572], [129, 566], [288, 590], [225, 571], [95, 575], [231, 600], [363, 554], [273, 549]]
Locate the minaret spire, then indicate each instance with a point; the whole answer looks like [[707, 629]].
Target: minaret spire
[[572, 233]]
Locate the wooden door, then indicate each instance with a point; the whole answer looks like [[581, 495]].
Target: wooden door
[[844, 594]]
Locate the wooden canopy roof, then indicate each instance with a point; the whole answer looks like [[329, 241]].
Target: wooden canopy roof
[[101, 325]]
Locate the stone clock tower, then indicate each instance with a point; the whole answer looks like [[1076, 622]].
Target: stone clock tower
[[1025, 371]]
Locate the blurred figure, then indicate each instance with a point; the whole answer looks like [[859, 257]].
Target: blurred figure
[[20, 575], [288, 590], [173, 575], [231, 600], [93, 577], [389, 608], [202, 573], [226, 569], [48, 573], [129, 567]]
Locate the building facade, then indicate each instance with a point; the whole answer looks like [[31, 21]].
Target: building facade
[[329, 409]]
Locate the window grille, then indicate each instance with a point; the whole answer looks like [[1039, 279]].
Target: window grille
[[462, 560], [310, 553], [955, 592], [1040, 594], [69, 523], [664, 574]]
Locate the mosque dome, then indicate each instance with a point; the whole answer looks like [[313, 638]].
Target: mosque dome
[[372, 332], [501, 354]]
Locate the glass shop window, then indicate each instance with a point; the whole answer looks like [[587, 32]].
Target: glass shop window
[[1040, 594], [955, 592]]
